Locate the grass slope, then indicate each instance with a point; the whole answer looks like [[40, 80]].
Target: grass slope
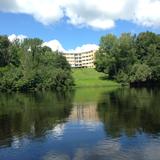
[[89, 77]]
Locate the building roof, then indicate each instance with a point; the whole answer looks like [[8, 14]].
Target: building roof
[[78, 52]]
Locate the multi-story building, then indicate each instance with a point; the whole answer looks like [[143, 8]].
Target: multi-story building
[[81, 60]]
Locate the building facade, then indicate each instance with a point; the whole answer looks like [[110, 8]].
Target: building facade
[[81, 60]]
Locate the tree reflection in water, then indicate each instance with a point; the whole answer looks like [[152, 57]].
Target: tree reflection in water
[[131, 111], [90, 124], [32, 114]]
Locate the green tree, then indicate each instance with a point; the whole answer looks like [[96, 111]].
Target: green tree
[[106, 55], [140, 73], [32, 66], [130, 58], [4, 51]]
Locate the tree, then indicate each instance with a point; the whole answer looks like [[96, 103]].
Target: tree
[[106, 55], [31, 66], [4, 51], [140, 73], [130, 58]]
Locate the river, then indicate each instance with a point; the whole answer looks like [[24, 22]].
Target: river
[[87, 124]]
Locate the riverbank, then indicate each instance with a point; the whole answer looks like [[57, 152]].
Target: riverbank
[[89, 77]]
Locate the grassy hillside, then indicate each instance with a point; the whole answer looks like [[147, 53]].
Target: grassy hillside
[[89, 77]]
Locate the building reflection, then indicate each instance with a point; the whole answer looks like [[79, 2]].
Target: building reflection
[[85, 111]]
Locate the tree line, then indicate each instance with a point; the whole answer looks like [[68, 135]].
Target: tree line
[[130, 59], [28, 65]]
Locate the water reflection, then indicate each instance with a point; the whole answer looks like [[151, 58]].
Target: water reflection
[[31, 115], [131, 111], [90, 124]]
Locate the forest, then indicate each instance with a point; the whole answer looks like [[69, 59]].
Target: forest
[[29, 66], [130, 59]]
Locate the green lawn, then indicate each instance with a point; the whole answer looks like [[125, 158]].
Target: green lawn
[[89, 77]]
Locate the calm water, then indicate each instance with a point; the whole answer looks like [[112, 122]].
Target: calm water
[[90, 124]]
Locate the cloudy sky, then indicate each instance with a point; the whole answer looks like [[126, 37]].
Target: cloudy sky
[[70, 25]]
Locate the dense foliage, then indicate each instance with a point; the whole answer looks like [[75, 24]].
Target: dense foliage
[[28, 65], [133, 59]]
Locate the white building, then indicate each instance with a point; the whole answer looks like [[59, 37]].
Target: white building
[[81, 60]]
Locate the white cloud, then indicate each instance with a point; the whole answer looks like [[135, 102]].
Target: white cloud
[[84, 48], [99, 14], [47, 12], [58, 130], [8, 6], [148, 13], [55, 45], [14, 37]]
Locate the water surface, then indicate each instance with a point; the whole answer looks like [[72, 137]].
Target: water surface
[[89, 124]]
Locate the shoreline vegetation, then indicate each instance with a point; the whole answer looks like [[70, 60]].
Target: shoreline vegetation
[[29, 66], [132, 60]]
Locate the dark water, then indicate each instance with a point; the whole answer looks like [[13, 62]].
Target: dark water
[[90, 124]]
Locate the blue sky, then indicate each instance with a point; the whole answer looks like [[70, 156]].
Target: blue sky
[[77, 25]]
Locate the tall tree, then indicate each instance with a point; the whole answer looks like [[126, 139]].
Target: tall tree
[[130, 58], [4, 51]]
